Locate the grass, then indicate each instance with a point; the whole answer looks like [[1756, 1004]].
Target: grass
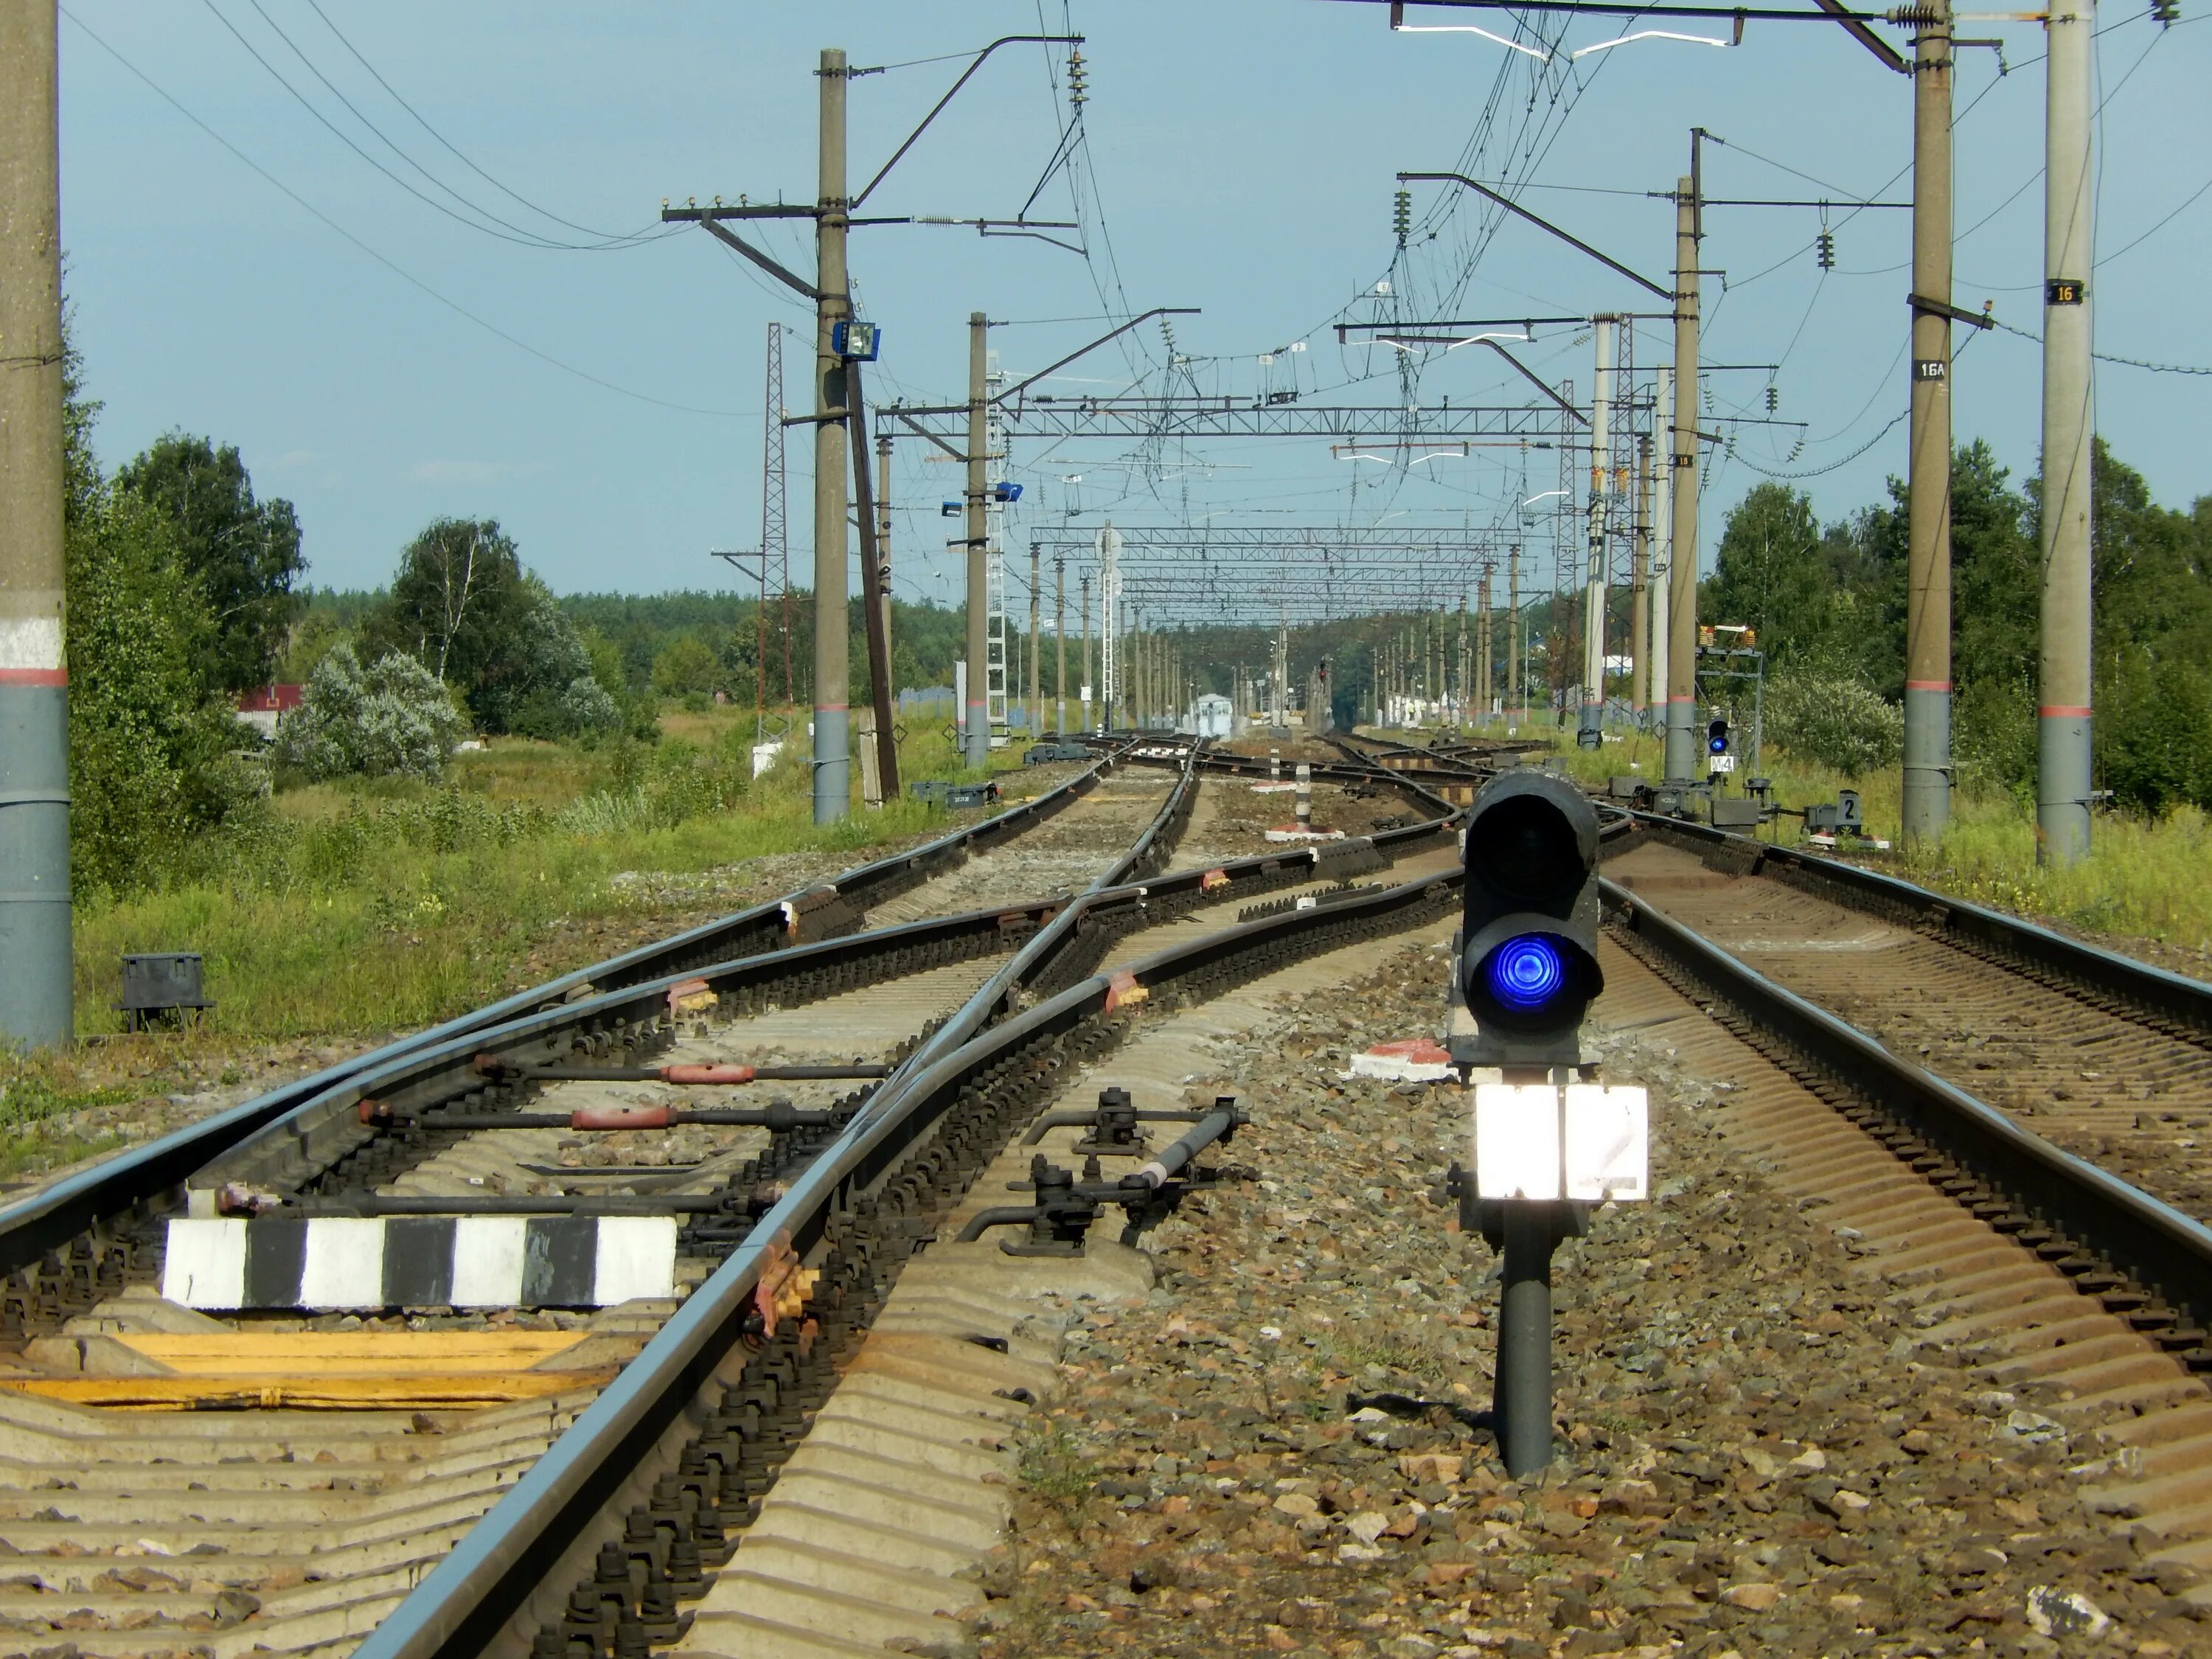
[[2145, 878], [1351, 1352], [1051, 1461], [34, 1092], [353, 910]]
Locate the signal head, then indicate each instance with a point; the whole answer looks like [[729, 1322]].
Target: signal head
[[1527, 965]]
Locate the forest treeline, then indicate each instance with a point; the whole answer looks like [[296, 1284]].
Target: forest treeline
[[1827, 601]]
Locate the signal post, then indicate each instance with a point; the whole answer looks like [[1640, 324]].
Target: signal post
[[1549, 1142]]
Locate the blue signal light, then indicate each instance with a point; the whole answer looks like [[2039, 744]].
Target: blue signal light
[[1526, 972], [1718, 745]]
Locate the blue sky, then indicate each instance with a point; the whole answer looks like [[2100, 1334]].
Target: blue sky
[[1238, 157]]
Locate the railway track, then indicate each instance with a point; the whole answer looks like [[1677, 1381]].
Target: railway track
[[211, 1549], [1965, 1143], [2110, 1060], [814, 1439], [1807, 1402], [32, 1229]]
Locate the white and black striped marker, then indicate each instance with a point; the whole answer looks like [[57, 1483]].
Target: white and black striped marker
[[419, 1261]]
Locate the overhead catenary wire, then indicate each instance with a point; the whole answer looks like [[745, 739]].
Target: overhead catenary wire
[[2113, 357], [396, 269], [454, 150], [502, 229]]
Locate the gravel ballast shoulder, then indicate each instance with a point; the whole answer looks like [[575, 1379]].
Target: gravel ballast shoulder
[[1279, 1451]]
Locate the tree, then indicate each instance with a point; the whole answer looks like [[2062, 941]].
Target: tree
[[149, 745], [244, 554], [1835, 719], [393, 717], [464, 607], [309, 642], [1772, 574], [454, 607], [686, 667], [150, 765]]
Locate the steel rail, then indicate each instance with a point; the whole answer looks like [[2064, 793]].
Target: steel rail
[[988, 1002], [490, 1592], [35, 1225], [322, 1130], [2086, 1209], [1325, 771], [332, 1124], [2157, 992]]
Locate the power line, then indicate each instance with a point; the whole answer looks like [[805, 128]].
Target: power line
[[307, 104], [398, 270], [520, 236], [2161, 225], [1815, 472], [604, 236], [2109, 357]]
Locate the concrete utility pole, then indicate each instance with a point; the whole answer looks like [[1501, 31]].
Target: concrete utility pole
[[2062, 752], [1928, 512], [1640, 591], [1059, 643], [1516, 696], [978, 712], [882, 715], [833, 783], [1682, 592], [884, 542], [1459, 662], [1036, 641], [1084, 691], [1662, 508], [36, 994], [1110, 692], [1600, 488], [1485, 670], [1133, 697]]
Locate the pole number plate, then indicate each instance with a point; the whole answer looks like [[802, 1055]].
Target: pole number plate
[[1931, 369], [2065, 291]]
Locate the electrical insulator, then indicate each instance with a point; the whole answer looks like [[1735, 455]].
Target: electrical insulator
[[1773, 399], [2164, 11], [1402, 215], [1827, 250], [1077, 88]]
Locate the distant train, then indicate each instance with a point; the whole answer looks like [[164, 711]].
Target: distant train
[[1211, 715]]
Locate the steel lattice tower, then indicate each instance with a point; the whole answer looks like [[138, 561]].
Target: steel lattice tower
[[776, 545]]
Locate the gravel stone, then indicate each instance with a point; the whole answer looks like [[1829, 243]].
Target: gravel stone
[[1288, 1442]]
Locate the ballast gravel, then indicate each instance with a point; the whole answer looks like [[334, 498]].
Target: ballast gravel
[[1281, 1450]]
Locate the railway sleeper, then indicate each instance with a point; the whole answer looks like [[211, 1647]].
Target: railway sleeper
[[1933, 920], [2088, 1271], [724, 1472]]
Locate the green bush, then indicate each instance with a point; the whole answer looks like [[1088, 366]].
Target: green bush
[[392, 718], [2154, 730], [659, 788], [1834, 720]]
